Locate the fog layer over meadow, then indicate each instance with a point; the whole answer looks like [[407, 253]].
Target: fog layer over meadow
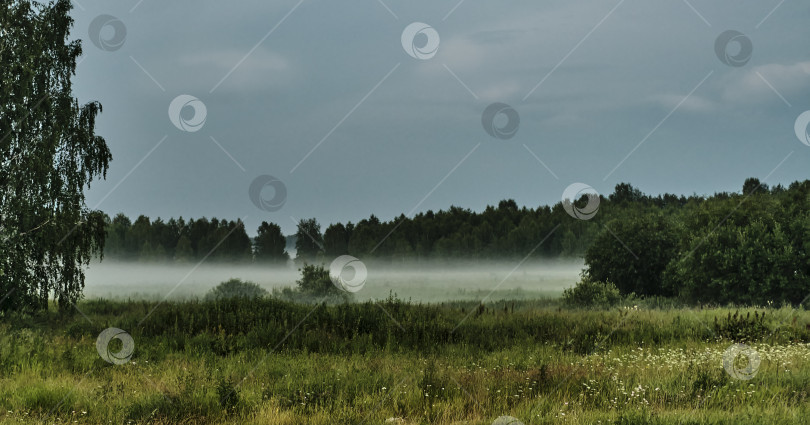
[[419, 282]]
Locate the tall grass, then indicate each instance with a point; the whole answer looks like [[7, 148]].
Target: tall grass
[[268, 361]]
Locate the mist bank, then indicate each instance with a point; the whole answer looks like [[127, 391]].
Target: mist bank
[[424, 281]]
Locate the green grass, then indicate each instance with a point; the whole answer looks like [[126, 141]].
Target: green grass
[[266, 361]]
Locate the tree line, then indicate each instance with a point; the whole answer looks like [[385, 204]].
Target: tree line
[[505, 231], [744, 248], [193, 240]]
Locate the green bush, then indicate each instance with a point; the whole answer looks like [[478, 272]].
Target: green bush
[[315, 281], [228, 394], [315, 285], [747, 264], [741, 328], [591, 293], [235, 288], [633, 251]]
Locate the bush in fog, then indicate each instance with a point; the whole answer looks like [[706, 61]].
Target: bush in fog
[[592, 293], [235, 288], [314, 285], [315, 280]]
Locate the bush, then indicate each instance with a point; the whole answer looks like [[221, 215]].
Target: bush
[[315, 281], [590, 293], [228, 394], [633, 251], [741, 328], [749, 265], [315, 285], [235, 288]]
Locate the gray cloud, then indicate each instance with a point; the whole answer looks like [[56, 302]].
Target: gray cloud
[[600, 97]]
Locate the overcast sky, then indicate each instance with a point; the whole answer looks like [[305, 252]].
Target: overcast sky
[[327, 98]]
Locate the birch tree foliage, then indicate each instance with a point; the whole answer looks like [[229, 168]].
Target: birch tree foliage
[[49, 153]]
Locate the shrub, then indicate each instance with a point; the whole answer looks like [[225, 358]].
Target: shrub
[[228, 394], [591, 293], [315, 285], [633, 252], [741, 328], [235, 288], [315, 281], [740, 264]]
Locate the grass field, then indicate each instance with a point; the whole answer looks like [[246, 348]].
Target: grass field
[[270, 362]]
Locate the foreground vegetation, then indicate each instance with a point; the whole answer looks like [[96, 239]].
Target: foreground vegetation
[[269, 361]]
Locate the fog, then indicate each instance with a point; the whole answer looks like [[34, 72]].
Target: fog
[[434, 282]]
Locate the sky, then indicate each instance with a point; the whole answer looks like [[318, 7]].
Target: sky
[[277, 111]]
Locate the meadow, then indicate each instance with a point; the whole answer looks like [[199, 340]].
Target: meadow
[[454, 315], [390, 361]]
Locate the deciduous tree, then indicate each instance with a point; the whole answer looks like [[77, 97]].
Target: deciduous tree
[[49, 153]]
